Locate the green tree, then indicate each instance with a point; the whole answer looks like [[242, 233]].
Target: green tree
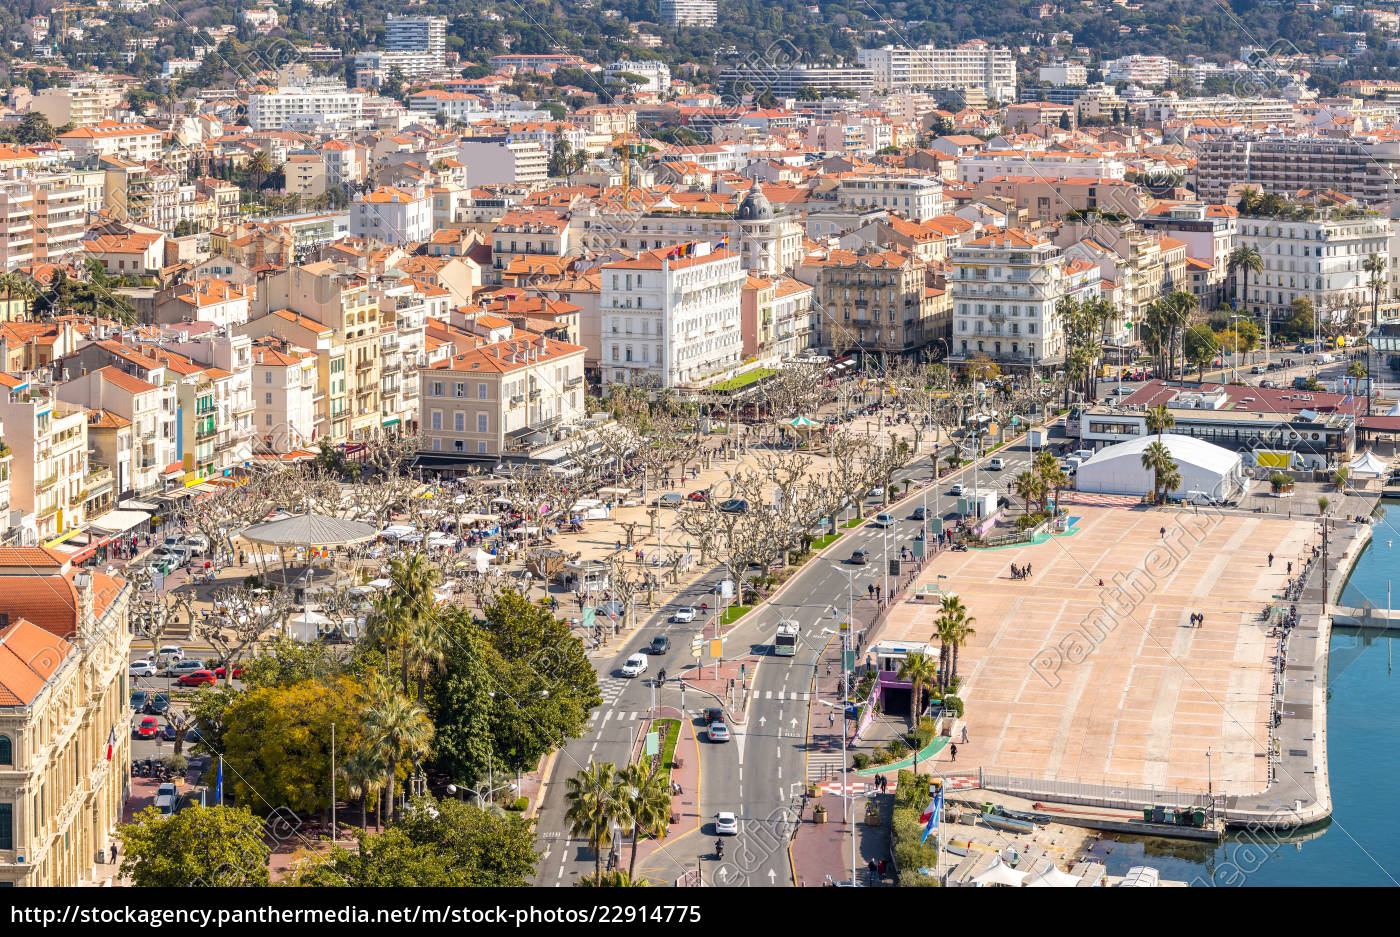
[[399, 730], [443, 843], [462, 703], [280, 739], [591, 810], [922, 672], [1247, 260], [1159, 420], [1376, 266], [642, 799], [209, 846], [285, 662], [1200, 347], [1157, 458]]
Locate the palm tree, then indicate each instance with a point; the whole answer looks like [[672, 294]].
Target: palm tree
[[642, 798], [1158, 458], [1052, 478], [259, 167], [1249, 202], [404, 617], [922, 672], [1181, 305], [18, 286], [961, 630], [1159, 420], [590, 812], [1247, 260], [364, 773], [1030, 486], [401, 729], [1375, 265]]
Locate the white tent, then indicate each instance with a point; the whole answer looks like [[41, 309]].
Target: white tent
[[1368, 464], [1214, 471], [381, 583], [1395, 410], [999, 874], [1051, 877], [482, 559]]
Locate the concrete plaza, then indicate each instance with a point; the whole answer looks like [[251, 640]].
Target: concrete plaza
[[1070, 680]]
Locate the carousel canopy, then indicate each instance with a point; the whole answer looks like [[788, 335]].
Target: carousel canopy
[[802, 423], [310, 530]]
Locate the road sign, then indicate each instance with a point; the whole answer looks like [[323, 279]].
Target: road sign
[[848, 660], [717, 648], [697, 647], [588, 616], [653, 743]]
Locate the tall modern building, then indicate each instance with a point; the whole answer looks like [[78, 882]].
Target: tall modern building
[[1284, 164], [690, 12], [972, 66], [415, 34]]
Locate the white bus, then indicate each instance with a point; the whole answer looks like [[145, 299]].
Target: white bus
[[785, 644]]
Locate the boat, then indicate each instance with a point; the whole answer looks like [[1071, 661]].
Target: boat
[[1009, 824]]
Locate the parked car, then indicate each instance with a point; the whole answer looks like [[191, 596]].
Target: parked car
[[734, 506], [659, 645], [883, 520], [145, 728], [167, 796], [197, 678], [635, 666], [860, 558], [1268, 383], [996, 463], [877, 492], [726, 824], [181, 667], [957, 489], [142, 668], [1124, 391], [672, 499], [718, 732], [197, 543], [158, 705], [138, 699], [699, 494], [1275, 366], [919, 514], [683, 614], [237, 672], [166, 652], [1258, 369], [192, 734]]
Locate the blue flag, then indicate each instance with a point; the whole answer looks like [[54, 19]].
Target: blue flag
[[219, 784]]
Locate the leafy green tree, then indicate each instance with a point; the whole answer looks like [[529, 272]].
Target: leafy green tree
[[462, 703], [280, 739], [443, 843], [210, 846], [1200, 346], [399, 731], [285, 662]]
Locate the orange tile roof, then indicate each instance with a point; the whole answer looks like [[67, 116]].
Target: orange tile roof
[[123, 381], [29, 657]]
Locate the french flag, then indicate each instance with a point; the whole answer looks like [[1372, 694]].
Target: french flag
[[111, 742], [931, 813]]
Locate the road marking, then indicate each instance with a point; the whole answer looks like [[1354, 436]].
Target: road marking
[[608, 715]]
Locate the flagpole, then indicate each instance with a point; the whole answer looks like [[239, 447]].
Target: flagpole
[[221, 780]]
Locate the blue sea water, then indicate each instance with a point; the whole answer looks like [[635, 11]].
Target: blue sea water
[[1361, 844]]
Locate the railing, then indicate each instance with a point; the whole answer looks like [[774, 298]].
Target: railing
[[1122, 797], [574, 381]]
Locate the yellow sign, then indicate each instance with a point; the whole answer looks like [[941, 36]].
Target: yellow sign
[[192, 479], [1273, 459], [1341, 341], [717, 648]]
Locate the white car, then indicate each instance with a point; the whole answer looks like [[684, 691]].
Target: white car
[[957, 489], [167, 652], [142, 668], [996, 464], [636, 666], [877, 492], [683, 614], [726, 824], [883, 520]]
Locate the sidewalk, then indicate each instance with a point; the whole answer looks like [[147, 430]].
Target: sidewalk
[[654, 857]]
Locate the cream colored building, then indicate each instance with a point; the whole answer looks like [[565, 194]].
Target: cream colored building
[[64, 647]]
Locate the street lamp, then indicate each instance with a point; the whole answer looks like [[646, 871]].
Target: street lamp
[[848, 799]]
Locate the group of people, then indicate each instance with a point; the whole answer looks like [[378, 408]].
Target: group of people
[[1197, 619], [1020, 572]]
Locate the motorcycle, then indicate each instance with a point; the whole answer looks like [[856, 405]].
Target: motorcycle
[[719, 848]]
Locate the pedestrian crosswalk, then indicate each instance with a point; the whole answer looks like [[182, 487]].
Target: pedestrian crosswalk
[[611, 688], [824, 765], [781, 695], [616, 716]]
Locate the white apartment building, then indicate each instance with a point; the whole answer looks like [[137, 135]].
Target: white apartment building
[[326, 103], [135, 142], [284, 389], [971, 66], [16, 221], [1150, 70], [396, 216], [496, 162], [918, 198], [149, 406], [415, 34], [979, 167], [701, 13], [1005, 288], [669, 320], [658, 76], [49, 442], [81, 107], [1064, 74], [1318, 260]]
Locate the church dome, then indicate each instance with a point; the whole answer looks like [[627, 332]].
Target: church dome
[[755, 206]]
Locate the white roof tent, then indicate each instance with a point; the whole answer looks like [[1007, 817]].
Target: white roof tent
[[1206, 469]]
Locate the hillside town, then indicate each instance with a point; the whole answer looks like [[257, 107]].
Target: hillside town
[[434, 394]]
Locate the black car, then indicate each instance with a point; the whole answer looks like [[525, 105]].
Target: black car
[[714, 714], [659, 645], [1275, 366], [860, 558], [158, 705], [191, 734], [919, 514], [734, 506], [138, 699]]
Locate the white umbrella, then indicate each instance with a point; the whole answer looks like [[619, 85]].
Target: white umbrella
[[482, 559], [999, 874], [381, 583], [309, 617]]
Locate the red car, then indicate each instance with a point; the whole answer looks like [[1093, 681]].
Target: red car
[[197, 678], [701, 495], [147, 728], [237, 672]]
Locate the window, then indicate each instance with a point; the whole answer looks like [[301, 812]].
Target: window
[[267, 377], [481, 447], [437, 419], [7, 826], [481, 422], [460, 421], [459, 389], [7, 750], [268, 420], [267, 397], [436, 389], [481, 392]]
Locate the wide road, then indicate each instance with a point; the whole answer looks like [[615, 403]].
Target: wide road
[[760, 773]]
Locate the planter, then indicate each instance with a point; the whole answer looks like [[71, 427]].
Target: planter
[[818, 814]]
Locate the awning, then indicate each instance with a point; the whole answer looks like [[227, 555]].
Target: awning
[[521, 433], [131, 504], [118, 522]]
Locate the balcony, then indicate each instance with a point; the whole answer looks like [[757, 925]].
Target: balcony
[[535, 394], [517, 399], [205, 433], [364, 365], [574, 381], [47, 482]]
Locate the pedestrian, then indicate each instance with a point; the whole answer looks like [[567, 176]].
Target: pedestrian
[[1271, 560], [873, 867], [831, 718], [1290, 567], [964, 735], [114, 854], [881, 868], [1164, 533], [953, 750]]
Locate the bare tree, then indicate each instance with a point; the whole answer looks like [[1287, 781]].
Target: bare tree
[[243, 617]]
